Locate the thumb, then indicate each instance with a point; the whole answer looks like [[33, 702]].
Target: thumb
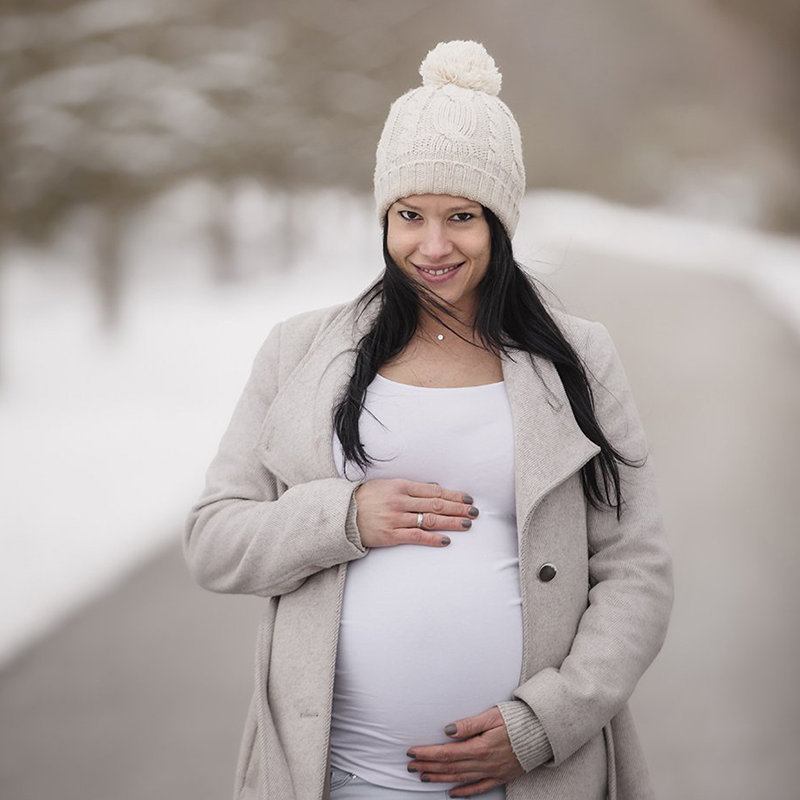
[[469, 726]]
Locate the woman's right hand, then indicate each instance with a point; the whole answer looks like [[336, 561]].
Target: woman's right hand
[[388, 508]]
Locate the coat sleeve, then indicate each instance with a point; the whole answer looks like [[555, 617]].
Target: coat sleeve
[[246, 536], [630, 596]]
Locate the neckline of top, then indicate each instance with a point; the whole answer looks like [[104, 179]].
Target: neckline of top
[[436, 388]]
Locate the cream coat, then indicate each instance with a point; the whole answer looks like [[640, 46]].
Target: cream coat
[[275, 520]]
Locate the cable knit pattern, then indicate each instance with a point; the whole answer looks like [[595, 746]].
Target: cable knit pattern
[[528, 739], [453, 135]]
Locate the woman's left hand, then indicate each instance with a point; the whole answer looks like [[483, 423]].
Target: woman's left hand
[[485, 758]]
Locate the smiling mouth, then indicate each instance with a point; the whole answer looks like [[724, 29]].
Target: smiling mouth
[[439, 271]]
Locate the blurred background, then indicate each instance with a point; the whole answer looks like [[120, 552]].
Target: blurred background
[[177, 177]]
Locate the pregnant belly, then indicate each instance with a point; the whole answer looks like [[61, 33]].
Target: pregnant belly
[[427, 637]]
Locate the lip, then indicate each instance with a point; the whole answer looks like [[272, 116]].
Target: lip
[[439, 278]]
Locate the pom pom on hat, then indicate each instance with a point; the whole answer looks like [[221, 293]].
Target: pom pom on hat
[[465, 64]]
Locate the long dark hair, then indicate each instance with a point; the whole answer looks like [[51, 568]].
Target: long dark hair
[[510, 313]]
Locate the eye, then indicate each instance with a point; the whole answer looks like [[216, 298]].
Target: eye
[[406, 211], [466, 214]]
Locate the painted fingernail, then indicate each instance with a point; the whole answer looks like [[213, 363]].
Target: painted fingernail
[[450, 729], [467, 499], [466, 523], [425, 779], [411, 769], [473, 512], [445, 540], [411, 754]]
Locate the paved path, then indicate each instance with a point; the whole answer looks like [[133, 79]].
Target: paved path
[[142, 694]]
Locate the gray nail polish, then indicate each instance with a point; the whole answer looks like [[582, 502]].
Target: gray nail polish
[[467, 499], [473, 512], [445, 540], [466, 523]]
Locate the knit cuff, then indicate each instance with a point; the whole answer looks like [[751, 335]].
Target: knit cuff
[[350, 527], [528, 739]]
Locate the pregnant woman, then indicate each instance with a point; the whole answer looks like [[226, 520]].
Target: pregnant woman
[[443, 490]]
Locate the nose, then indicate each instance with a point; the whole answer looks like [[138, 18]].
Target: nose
[[435, 244]]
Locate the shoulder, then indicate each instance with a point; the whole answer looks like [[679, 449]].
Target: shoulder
[[593, 344], [585, 335], [304, 327], [300, 332], [290, 339]]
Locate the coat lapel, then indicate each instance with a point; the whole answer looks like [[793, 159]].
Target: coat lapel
[[296, 440]]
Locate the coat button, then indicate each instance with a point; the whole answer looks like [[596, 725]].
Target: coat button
[[547, 572]]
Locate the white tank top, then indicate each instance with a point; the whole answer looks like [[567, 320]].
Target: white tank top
[[429, 635]]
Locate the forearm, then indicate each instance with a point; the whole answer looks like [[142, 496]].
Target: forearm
[[619, 635], [248, 533], [526, 734], [269, 547], [630, 574]]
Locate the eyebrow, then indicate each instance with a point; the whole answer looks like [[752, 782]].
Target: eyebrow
[[468, 204]]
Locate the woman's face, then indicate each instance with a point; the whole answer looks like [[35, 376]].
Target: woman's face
[[431, 232]]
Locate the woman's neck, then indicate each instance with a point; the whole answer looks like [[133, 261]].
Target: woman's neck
[[431, 328]]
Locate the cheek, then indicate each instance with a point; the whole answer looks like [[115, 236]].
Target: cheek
[[400, 243], [477, 243], [479, 251]]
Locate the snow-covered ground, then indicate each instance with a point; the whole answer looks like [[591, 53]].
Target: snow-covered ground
[[555, 222], [104, 440]]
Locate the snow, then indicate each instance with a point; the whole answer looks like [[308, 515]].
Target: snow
[[105, 438], [558, 221]]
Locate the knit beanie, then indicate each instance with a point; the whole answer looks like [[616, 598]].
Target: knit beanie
[[453, 135]]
